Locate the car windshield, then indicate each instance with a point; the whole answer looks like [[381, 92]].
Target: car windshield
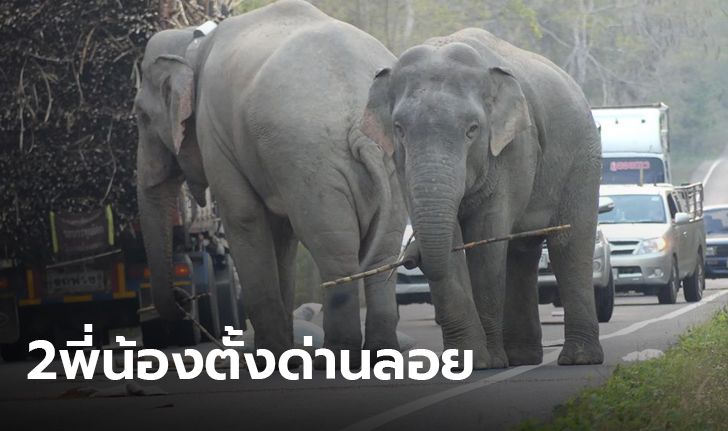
[[635, 209], [716, 222]]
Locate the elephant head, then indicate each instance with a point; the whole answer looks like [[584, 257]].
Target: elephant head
[[444, 114], [167, 153]]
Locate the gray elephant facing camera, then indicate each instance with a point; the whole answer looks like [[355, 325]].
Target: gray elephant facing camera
[[266, 109], [489, 139]]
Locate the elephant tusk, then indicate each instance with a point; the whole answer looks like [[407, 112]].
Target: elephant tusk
[[400, 262]]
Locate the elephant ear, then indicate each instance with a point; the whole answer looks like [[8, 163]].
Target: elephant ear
[[377, 120], [178, 93], [509, 113]]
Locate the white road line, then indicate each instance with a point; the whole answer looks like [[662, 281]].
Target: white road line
[[710, 171], [639, 325], [421, 403]]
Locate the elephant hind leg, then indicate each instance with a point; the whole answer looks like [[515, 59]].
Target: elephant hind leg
[[286, 246], [522, 326], [328, 226], [253, 247]]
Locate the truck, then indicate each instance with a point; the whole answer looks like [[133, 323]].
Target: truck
[[635, 143], [657, 238], [99, 276]]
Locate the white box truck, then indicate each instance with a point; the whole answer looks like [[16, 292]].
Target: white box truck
[[635, 143]]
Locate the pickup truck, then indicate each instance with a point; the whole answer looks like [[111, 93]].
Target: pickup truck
[[657, 239]]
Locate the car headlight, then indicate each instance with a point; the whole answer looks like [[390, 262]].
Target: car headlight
[[653, 245], [599, 246], [710, 251]]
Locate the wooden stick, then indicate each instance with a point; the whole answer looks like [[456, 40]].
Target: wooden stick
[[395, 265], [537, 232], [401, 253]]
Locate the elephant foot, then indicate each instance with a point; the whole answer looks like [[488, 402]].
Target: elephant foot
[[482, 360], [498, 357], [524, 354], [581, 353]]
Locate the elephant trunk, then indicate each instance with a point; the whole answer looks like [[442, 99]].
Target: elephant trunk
[[157, 206], [435, 198], [373, 160]]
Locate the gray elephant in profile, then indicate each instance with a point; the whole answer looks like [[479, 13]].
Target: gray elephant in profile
[[489, 139], [266, 110]]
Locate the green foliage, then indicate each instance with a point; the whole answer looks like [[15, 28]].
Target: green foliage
[[687, 388]]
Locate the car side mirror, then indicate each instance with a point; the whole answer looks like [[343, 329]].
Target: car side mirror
[[605, 205], [682, 218]]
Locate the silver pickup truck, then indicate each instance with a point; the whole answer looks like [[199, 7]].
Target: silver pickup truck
[[657, 239]]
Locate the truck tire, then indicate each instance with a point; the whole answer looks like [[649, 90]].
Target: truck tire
[[155, 334], [604, 300], [667, 294], [557, 301], [694, 284], [207, 306], [227, 293], [14, 352]]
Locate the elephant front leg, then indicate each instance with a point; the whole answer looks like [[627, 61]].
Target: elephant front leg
[[456, 312], [381, 314], [487, 273], [522, 325]]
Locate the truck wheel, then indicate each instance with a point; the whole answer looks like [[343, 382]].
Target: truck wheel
[[14, 352], [693, 286], [207, 306], [227, 297], [557, 301], [667, 294], [154, 334], [604, 300]]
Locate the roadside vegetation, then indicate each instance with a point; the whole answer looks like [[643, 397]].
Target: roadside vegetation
[[686, 389]]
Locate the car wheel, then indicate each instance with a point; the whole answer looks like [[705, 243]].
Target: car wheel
[[667, 294], [693, 286], [604, 300]]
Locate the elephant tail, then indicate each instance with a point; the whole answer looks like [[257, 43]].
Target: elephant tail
[[373, 158]]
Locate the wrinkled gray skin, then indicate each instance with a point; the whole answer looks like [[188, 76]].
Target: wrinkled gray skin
[[266, 110], [489, 139]]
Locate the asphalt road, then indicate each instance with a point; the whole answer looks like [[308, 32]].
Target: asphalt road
[[492, 399]]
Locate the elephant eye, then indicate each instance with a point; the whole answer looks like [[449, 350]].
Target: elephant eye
[[399, 130], [472, 131], [143, 117]]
